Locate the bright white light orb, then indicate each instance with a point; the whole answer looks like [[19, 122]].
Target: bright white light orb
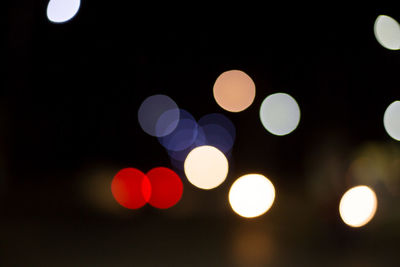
[[391, 120], [280, 114], [59, 11], [251, 195], [358, 206], [387, 32], [206, 167]]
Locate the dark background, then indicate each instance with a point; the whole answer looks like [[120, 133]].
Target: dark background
[[68, 123]]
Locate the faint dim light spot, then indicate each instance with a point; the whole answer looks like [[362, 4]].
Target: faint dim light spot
[[166, 187], [59, 11], [358, 206], [221, 120], [368, 170], [234, 91], [280, 114], [131, 188], [206, 167], [251, 195], [158, 115], [94, 189], [252, 245], [387, 32], [218, 130], [391, 120]]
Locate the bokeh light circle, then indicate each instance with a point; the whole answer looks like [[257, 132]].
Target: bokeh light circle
[[59, 11], [280, 114], [206, 167], [358, 206], [177, 158], [158, 115], [131, 188], [218, 137], [218, 130], [391, 120], [387, 32], [251, 195], [166, 187], [183, 136], [234, 90], [221, 120]]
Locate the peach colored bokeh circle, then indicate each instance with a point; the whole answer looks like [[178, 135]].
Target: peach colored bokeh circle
[[234, 90]]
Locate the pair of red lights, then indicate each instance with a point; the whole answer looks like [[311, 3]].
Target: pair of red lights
[[160, 187]]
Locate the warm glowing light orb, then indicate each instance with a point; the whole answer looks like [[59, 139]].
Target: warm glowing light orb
[[251, 195], [358, 206], [280, 114], [206, 167], [391, 120], [387, 32], [59, 11], [234, 90]]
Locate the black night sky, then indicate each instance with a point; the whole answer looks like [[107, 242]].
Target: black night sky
[[68, 123]]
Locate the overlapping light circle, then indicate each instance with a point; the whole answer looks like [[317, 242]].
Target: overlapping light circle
[[358, 206], [131, 188], [251, 195], [391, 120], [218, 130], [184, 134], [158, 115], [387, 32], [280, 114], [160, 187], [206, 167], [166, 187], [212, 129], [234, 90], [177, 158], [59, 11]]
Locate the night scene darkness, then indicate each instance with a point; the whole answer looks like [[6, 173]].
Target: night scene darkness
[[194, 135]]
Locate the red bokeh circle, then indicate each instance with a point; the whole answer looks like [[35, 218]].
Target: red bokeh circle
[[166, 187], [131, 188]]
